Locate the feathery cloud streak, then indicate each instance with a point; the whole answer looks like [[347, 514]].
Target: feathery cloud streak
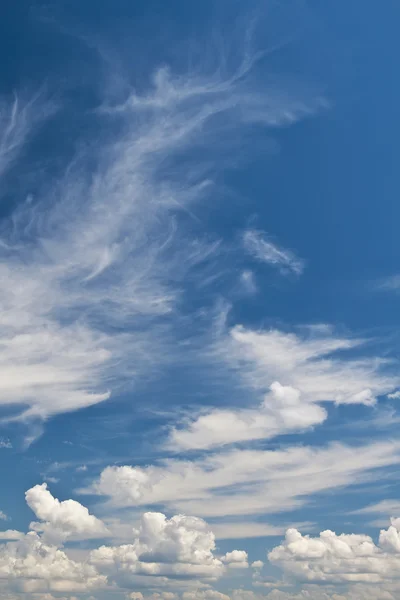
[[90, 270], [261, 248]]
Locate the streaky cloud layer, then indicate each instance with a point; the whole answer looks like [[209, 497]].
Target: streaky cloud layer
[[92, 270]]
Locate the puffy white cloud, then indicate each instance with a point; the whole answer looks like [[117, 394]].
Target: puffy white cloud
[[257, 564], [340, 558], [181, 549], [195, 594], [266, 481], [177, 547], [309, 592], [154, 596], [306, 594], [352, 592], [62, 520], [236, 559], [31, 565], [204, 595]]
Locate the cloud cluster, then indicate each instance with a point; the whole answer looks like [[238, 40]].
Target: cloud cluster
[[340, 558], [179, 554], [309, 592], [31, 565], [177, 548]]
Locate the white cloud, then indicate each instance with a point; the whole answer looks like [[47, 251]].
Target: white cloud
[[62, 520], [102, 245], [293, 374], [33, 566], [248, 282], [311, 593], [18, 120], [177, 547], [384, 507], [319, 592], [204, 595], [160, 550], [237, 559], [258, 245], [196, 594], [336, 558], [282, 411], [391, 283], [11, 534], [316, 364], [251, 481]]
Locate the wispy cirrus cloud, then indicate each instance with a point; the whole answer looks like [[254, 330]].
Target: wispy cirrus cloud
[[389, 284], [19, 117], [92, 268], [262, 248]]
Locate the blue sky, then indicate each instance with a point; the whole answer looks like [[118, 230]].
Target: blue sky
[[199, 288]]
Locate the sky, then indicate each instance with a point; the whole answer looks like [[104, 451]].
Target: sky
[[199, 300]]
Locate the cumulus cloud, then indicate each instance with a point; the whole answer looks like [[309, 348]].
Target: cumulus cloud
[[237, 559], [251, 481], [340, 558], [177, 547], [260, 247], [180, 547], [196, 594], [31, 565], [62, 520], [316, 592]]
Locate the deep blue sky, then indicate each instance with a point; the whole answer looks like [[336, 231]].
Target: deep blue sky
[[173, 245]]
